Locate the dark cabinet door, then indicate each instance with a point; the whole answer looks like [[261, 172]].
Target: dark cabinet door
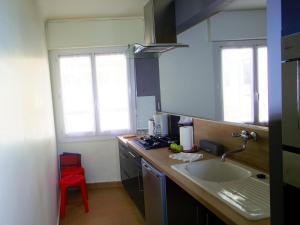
[[125, 164], [183, 209], [291, 199], [211, 219], [123, 158], [290, 17], [134, 182], [147, 78], [131, 175], [290, 104]]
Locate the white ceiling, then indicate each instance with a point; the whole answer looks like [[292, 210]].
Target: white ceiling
[[62, 9]]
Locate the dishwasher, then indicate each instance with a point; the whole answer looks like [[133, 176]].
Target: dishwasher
[[154, 195]]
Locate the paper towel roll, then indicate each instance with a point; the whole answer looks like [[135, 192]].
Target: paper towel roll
[[186, 137]]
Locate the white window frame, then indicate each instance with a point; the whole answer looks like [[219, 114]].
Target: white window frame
[[57, 94], [218, 46]]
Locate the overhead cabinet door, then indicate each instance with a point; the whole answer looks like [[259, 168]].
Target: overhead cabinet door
[[291, 104]]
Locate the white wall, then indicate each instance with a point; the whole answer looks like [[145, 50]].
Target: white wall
[[28, 158], [182, 72], [94, 32], [238, 25], [187, 76], [100, 157]]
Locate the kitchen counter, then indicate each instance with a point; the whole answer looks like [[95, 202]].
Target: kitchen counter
[[160, 159]]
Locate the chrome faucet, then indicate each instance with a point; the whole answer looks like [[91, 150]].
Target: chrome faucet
[[246, 136]]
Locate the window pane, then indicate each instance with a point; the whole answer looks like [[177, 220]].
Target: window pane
[[113, 97], [77, 94], [237, 84], [262, 71]]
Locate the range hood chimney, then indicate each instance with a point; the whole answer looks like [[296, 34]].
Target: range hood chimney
[[160, 28]]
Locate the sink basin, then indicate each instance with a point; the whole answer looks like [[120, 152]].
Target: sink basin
[[217, 171], [233, 183]]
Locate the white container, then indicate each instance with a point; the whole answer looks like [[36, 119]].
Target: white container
[[161, 124], [186, 137], [164, 124], [151, 127]]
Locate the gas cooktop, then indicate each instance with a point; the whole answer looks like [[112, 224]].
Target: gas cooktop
[[153, 142]]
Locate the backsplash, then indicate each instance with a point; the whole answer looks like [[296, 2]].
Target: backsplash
[[256, 153]]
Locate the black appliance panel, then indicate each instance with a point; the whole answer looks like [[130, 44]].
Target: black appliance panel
[[131, 175]]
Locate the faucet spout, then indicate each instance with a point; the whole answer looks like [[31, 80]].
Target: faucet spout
[[232, 152], [245, 136]]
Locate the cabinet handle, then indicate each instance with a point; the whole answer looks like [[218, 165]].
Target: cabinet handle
[[197, 213], [147, 167], [139, 180], [130, 153], [298, 94], [207, 219]]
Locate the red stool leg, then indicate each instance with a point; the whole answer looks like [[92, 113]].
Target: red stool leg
[[63, 193], [84, 195], [87, 195]]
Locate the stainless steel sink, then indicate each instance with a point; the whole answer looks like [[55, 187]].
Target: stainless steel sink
[[233, 183]]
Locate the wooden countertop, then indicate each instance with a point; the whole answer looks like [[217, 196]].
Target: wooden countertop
[[160, 159]]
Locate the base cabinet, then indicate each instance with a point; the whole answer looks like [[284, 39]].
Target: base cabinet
[[291, 198], [183, 209], [211, 219], [131, 175]]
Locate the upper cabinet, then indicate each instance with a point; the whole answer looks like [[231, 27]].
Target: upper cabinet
[[290, 16], [147, 79]]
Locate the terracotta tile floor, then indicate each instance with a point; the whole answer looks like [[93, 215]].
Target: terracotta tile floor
[[108, 206]]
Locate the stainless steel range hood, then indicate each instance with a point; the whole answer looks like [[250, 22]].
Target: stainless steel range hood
[[160, 28]]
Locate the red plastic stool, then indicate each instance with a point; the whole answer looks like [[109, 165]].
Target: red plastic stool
[[71, 171], [72, 181]]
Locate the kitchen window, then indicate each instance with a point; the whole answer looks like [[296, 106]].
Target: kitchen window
[[92, 93], [243, 83]]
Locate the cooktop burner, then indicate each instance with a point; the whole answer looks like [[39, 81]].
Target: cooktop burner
[[153, 142]]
